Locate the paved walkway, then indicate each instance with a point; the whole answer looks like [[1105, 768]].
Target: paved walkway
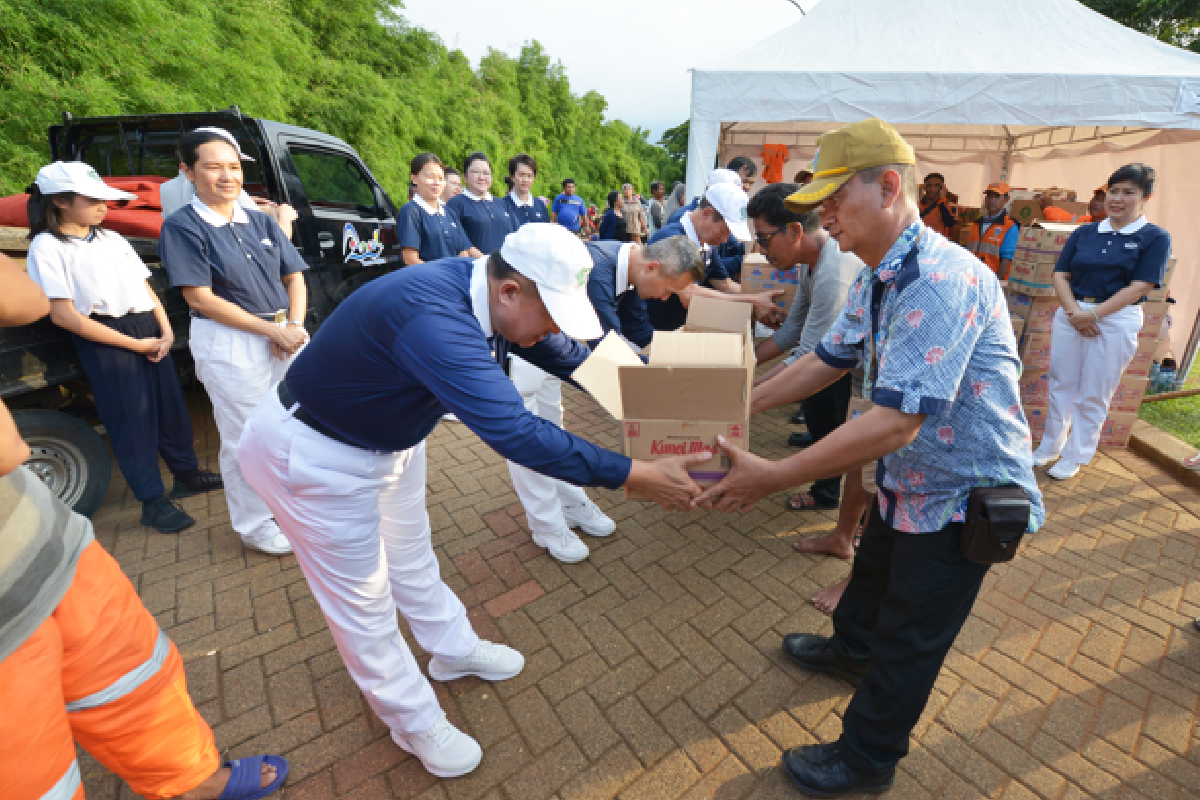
[[654, 669]]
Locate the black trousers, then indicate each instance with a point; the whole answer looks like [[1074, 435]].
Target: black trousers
[[823, 412], [140, 404], [908, 597]]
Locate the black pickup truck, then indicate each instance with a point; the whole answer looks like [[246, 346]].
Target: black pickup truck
[[346, 232]]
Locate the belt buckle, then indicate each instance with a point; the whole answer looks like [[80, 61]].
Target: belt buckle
[[280, 316]]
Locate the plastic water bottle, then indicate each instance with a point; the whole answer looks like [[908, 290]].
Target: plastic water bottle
[[1154, 382]]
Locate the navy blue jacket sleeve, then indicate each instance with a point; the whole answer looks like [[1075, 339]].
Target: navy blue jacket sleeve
[[408, 227], [290, 260], [557, 354], [459, 236], [450, 359], [635, 318], [1152, 261], [604, 300], [716, 268], [184, 254]]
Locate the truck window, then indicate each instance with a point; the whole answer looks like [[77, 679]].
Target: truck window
[[333, 181], [149, 148]]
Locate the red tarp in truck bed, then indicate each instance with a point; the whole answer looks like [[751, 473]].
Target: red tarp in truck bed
[[139, 217]]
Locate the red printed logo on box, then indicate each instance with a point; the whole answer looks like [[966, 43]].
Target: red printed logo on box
[[633, 430], [735, 431]]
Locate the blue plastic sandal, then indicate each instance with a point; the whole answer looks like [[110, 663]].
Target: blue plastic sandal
[[246, 781]]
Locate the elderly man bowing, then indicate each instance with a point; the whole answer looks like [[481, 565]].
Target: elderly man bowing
[[338, 453], [928, 322]]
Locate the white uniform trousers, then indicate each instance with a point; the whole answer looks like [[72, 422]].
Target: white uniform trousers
[[1084, 373], [237, 370], [356, 520], [543, 497]]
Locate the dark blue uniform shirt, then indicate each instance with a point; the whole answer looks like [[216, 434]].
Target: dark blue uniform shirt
[[669, 314], [523, 215], [1103, 263], [618, 307], [678, 213], [433, 236], [241, 262], [407, 347], [486, 222]]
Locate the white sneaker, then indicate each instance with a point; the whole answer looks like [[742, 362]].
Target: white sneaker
[[490, 661], [588, 517], [1041, 459], [444, 750], [1063, 470], [564, 545], [277, 545]]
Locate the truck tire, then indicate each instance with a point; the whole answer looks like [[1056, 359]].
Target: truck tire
[[68, 455]]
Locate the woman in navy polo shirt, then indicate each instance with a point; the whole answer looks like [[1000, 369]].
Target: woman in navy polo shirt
[[425, 229], [522, 205], [485, 218], [1101, 278], [612, 226]]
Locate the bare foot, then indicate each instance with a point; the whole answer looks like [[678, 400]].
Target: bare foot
[[214, 784], [834, 544], [1192, 462], [827, 599]]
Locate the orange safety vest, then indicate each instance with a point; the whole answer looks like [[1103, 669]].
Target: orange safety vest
[[988, 247], [933, 217]]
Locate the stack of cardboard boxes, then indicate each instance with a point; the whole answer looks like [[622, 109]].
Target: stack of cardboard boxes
[[1032, 304]]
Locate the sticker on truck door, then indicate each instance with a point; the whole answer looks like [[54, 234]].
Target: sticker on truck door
[[366, 252]]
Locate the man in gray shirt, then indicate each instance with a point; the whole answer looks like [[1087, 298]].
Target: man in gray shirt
[[790, 240]]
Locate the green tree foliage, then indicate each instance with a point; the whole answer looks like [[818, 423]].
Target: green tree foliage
[[1175, 22], [675, 142], [353, 68]]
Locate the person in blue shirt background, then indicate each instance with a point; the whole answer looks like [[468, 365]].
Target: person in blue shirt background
[[1101, 278], [425, 230], [523, 206], [568, 207], [338, 452], [484, 218]]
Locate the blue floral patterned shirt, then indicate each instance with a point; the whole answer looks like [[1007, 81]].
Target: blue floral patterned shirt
[[945, 348]]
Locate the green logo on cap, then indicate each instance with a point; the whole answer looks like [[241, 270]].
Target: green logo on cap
[[91, 173], [581, 277]]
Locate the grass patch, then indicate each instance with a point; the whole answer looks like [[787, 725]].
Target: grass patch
[[1180, 418]]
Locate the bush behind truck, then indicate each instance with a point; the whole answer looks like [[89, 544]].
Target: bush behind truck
[[346, 233]]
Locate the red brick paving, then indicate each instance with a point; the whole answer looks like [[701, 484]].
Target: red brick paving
[[654, 670]]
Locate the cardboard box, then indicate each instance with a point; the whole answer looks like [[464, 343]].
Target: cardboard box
[[1127, 399], [1018, 326], [1116, 429], [1160, 294], [1025, 212], [1139, 366], [1153, 315], [1036, 416], [1035, 387], [759, 276], [1041, 314], [696, 386], [1035, 349]]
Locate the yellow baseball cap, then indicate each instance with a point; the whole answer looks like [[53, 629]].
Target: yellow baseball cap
[[846, 151]]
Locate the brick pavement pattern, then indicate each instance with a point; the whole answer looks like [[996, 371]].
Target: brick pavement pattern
[[654, 669]]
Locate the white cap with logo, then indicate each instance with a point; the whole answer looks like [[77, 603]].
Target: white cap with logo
[[559, 264], [731, 202], [77, 177], [721, 175]]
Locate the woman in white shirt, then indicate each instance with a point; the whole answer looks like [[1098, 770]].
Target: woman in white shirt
[[98, 291]]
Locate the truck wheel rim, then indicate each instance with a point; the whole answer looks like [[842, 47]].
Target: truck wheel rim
[[60, 465]]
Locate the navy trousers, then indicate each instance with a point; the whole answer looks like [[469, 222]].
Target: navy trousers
[[141, 405]]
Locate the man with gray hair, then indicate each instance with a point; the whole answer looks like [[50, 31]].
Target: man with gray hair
[[554, 507]]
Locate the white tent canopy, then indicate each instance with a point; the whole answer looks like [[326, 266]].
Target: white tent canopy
[[1009, 91]]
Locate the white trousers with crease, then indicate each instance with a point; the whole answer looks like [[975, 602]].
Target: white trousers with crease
[[357, 522], [543, 497], [237, 370], [1084, 373]]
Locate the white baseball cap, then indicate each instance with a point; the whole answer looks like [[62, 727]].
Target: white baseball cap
[[227, 136], [721, 175], [77, 177], [559, 264], [731, 201]]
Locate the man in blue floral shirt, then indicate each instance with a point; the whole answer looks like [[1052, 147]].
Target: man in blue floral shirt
[[929, 324]]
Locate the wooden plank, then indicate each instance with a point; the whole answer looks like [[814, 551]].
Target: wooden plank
[[13, 242]]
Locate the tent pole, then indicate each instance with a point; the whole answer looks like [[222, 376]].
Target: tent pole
[[1008, 151]]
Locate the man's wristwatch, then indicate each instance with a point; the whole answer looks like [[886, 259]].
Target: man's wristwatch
[[295, 323]]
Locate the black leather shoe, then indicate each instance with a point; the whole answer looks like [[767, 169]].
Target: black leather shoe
[[798, 417], [814, 654], [817, 753], [831, 778], [196, 482], [164, 516], [800, 440]]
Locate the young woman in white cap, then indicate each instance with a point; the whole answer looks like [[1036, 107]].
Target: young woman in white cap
[[98, 291], [242, 278]]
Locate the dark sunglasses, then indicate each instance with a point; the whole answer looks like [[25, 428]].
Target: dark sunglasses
[[765, 241]]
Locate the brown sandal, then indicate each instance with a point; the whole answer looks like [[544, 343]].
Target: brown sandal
[[804, 501]]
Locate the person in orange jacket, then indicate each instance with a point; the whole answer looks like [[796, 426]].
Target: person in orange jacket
[[81, 659], [1051, 212], [993, 237]]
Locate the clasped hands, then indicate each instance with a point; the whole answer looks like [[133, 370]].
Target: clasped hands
[[1084, 321]]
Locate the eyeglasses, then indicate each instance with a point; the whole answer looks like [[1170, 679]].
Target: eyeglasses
[[765, 241]]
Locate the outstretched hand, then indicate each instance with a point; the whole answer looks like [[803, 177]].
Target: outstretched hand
[[750, 479], [665, 481]]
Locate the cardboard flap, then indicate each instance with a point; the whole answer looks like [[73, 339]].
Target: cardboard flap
[[708, 314], [1058, 227], [686, 348], [684, 393], [600, 373]]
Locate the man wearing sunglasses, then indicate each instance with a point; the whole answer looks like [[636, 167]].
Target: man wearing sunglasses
[[790, 240]]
